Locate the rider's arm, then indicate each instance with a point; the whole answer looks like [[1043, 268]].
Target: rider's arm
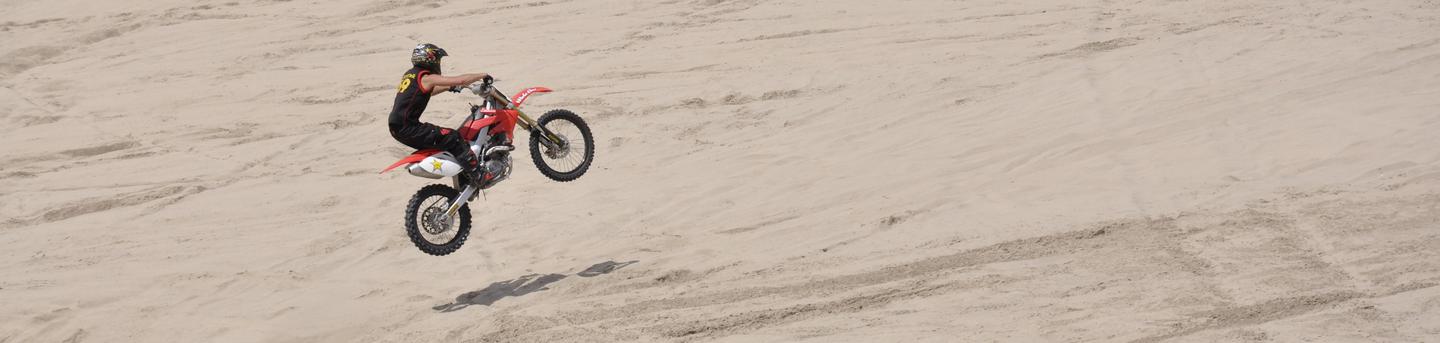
[[440, 83]]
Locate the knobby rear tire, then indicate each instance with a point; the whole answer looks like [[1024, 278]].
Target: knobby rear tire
[[412, 227]]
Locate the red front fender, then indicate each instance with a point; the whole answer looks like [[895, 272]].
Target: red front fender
[[525, 94], [413, 158]]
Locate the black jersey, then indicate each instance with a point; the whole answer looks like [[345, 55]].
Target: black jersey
[[410, 99]]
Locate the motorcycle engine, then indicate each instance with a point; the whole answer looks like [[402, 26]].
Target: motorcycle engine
[[499, 165]]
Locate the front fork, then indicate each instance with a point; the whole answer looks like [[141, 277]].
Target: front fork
[[550, 140]]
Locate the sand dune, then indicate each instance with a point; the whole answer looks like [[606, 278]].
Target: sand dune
[[921, 170]]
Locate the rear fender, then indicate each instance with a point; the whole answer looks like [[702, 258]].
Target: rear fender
[[413, 158]]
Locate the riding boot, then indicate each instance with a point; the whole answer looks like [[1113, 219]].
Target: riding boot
[[472, 165]]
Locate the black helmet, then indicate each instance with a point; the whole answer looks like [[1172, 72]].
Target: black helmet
[[427, 56]]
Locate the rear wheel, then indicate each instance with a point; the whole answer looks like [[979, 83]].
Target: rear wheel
[[568, 158], [427, 225]]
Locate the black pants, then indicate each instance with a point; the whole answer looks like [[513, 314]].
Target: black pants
[[428, 136]]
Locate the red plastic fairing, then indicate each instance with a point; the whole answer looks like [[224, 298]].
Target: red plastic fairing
[[525, 94], [473, 127], [413, 158], [503, 121]]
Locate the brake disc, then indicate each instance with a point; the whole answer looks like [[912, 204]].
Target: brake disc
[[435, 221], [562, 150]]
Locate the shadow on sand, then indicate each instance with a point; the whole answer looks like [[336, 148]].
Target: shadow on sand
[[523, 285]]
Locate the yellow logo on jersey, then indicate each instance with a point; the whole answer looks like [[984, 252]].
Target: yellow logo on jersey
[[405, 83]]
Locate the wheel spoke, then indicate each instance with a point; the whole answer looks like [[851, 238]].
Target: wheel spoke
[[576, 146], [431, 225], [427, 224]]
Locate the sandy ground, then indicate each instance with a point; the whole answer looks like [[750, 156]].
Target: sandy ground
[[868, 171]]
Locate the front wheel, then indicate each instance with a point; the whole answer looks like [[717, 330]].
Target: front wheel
[[568, 153], [428, 226]]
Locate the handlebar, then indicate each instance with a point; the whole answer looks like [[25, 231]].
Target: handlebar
[[485, 88], [480, 88]]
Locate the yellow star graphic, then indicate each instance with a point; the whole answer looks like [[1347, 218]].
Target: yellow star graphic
[[435, 164]]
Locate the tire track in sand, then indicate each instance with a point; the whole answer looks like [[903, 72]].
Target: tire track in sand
[[1127, 257]]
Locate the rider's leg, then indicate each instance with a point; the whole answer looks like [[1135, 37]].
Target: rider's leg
[[429, 136]]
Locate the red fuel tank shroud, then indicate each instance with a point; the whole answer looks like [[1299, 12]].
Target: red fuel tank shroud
[[503, 121]]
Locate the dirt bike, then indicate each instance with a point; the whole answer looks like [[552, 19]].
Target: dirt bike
[[437, 218]]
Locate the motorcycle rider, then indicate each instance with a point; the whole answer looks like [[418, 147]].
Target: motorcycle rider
[[413, 94]]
